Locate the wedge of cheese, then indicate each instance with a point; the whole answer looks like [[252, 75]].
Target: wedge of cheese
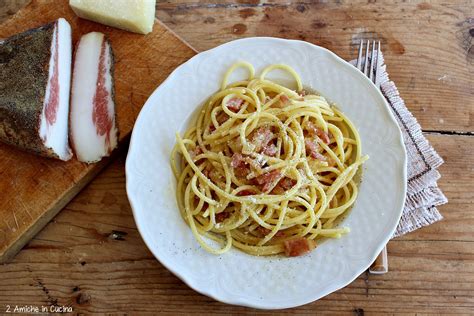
[[131, 15]]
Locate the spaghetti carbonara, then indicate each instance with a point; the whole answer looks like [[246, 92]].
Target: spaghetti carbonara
[[265, 168]]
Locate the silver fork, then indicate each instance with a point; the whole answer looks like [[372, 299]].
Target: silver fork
[[369, 65]]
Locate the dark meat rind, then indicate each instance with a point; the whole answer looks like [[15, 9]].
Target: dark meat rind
[[112, 91], [24, 70]]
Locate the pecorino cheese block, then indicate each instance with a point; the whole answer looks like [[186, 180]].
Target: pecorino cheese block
[[132, 15]]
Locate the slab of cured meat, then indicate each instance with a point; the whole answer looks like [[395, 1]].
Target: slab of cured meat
[[35, 76]]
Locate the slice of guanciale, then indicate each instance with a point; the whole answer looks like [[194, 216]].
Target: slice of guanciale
[[35, 75], [94, 133]]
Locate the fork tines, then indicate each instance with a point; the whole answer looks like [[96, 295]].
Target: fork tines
[[368, 63]]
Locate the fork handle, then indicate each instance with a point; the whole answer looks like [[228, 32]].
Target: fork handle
[[380, 265]]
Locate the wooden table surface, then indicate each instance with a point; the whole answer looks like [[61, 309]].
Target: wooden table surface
[[92, 258]]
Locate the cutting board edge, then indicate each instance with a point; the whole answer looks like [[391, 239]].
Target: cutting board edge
[[9, 252], [37, 226], [176, 35]]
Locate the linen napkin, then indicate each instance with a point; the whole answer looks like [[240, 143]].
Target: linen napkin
[[423, 194]]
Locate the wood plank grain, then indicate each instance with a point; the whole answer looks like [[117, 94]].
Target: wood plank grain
[[34, 189], [91, 257], [428, 46], [10, 7]]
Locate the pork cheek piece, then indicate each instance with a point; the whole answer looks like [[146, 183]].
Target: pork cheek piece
[[35, 75], [93, 128]]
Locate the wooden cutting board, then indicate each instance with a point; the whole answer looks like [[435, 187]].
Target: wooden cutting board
[[34, 189]]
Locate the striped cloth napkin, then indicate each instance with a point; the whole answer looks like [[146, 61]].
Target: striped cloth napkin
[[423, 194]]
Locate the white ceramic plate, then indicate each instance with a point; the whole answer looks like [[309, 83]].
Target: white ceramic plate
[[235, 277]]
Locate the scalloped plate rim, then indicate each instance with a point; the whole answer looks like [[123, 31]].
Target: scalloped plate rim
[[192, 282]]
